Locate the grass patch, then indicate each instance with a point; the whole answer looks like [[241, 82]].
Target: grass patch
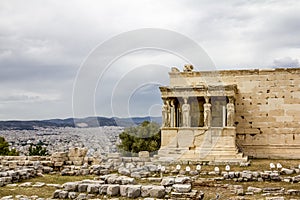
[[43, 192], [57, 179]]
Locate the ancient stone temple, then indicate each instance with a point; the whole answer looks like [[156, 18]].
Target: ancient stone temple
[[226, 116]]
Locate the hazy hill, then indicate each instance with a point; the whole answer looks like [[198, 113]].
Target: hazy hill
[[75, 122]]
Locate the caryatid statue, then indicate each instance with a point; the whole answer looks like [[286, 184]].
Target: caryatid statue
[[230, 112], [172, 113], [185, 113], [207, 112], [165, 114]]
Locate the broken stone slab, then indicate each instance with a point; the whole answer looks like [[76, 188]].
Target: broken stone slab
[[111, 179], [72, 195], [77, 152], [287, 171], [274, 198], [10, 197], [254, 189], [93, 188], [296, 179], [246, 175], [81, 196], [103, 189], [287, 179], [124, 171], [113, 190], [167, 181], [123, 190], [182, 179], [136, 175], [26, 184], [82, 187], [70, 186], [39, 184], [134, 191], [124, 180], [264, 175], [194, 194], [182, 188], [58, 186], [157, 191], [154, 179], [144, 154], [151, 167], [273, 190], [293, 192], [145, 190]]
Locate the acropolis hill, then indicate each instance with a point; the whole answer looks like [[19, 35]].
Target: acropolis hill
[[231, 115]]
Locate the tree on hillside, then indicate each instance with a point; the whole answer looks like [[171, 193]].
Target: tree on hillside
[[37, 150], [145, 137], [4, 149]]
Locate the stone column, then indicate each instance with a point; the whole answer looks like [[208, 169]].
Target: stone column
[[165, 114], [230, 112], [185, 113], [207, 112]]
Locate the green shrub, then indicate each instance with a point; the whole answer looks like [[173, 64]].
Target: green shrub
[[145, 137], [37, 150], [4, 149]]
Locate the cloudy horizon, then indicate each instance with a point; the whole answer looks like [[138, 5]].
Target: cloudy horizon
[[43, 45]]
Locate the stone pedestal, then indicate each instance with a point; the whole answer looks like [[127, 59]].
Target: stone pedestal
[[200, 144]]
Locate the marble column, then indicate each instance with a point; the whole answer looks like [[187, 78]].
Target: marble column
[[186, 113], [207, 112]]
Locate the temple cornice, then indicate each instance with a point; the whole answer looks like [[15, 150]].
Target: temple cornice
[[198, 90]]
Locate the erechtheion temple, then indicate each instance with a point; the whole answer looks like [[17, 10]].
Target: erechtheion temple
[[230, 115]]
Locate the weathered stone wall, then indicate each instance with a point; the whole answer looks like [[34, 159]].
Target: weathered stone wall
[[267, 108]]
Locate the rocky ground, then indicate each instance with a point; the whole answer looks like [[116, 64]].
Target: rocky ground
[[100, 140], [115, 177], [96, 172]]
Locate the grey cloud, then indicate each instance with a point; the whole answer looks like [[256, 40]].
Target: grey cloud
[[286, 62], [43, 43]]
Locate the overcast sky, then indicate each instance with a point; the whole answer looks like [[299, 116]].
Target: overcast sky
[[43, 44]]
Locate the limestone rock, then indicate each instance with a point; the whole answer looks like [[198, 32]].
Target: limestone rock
[[124, 171], [81, 196], [93, 188], [134, 191], [182, 179], [166, 181], [70, 186], [103, 189], [63, 194], [113, 190], [72, 195], [287, 171], [144, 154], [157, 191], [145, 190], [182, 188], [55, 194], [254, 189]]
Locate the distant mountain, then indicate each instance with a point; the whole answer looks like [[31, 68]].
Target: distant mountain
[[76, 122]]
